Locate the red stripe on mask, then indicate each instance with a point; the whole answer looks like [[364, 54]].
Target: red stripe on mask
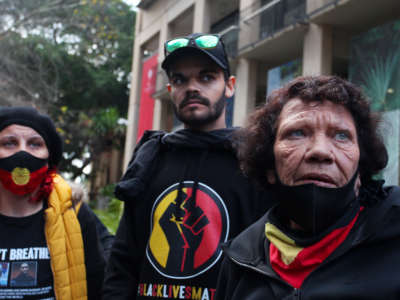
[[36, 178]]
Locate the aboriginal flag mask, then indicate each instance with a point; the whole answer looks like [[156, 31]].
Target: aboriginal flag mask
[[21, 173]]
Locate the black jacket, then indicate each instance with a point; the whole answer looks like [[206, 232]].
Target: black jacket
[[183, 194], [365, 266], [94, 252]]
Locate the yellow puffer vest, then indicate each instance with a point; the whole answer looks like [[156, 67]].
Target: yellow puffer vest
[[64, 240]]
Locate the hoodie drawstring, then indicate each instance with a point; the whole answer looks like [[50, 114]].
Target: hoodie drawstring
[[196, 179]]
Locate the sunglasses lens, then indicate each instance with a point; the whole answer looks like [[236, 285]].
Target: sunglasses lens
[[207, 41], [175, 44]]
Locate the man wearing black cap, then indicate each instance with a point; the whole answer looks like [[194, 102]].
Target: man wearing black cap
[[199, 80], [183, 191]]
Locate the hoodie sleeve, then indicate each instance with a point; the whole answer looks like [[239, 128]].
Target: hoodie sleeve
[[121, 277]]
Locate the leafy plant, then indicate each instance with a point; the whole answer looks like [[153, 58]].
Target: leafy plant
[[375, 61], [377, 78], [112, 214]]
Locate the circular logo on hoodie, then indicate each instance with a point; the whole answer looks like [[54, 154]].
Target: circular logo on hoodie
[[186, 230]]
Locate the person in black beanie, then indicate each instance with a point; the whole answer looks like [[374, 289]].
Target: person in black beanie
[[42, 124], [40, 224]]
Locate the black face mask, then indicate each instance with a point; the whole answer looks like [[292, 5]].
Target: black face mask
[[314, 208]]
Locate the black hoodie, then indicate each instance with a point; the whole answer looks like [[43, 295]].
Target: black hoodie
[[184, 195]]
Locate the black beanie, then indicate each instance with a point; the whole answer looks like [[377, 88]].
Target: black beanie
[[30, 117]]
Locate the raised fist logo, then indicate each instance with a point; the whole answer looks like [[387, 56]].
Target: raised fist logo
[[187, 231], [184, 222]]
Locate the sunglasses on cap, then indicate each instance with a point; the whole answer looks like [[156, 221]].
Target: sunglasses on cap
[[206, 41]]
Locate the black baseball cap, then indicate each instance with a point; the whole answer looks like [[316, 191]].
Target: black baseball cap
[[216, 53]]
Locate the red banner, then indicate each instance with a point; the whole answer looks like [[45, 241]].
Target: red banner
[[146, 109]]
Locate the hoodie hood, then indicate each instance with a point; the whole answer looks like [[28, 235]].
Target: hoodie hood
[[144, 160]]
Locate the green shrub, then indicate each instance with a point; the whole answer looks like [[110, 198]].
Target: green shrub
[[110, 216]]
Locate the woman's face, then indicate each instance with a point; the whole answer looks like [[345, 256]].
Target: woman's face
[[15, 138], [316, 142]]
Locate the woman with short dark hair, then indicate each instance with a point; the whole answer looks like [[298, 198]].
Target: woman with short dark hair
[[334, 233]]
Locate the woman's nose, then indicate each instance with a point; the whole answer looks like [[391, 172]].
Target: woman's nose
[[319, 150]]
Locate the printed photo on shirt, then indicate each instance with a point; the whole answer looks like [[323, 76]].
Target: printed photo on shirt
[[5, 267], [23, 273]]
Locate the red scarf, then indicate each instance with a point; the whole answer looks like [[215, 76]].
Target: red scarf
[[294, 263]]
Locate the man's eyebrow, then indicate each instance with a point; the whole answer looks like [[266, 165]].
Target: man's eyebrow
[[176, 74]]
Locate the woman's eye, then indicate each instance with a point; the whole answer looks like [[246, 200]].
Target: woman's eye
[[36, 143], [296, 133], [341, 136], [8, 143]]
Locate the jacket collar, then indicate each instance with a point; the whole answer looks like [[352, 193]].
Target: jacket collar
[[249, 249], [60, 197]]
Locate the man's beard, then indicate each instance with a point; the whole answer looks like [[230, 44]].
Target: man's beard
[[194, 121]]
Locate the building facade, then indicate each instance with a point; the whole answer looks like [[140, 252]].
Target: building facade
[[270, 42]]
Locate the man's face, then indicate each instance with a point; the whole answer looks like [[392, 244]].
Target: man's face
[[199, 91], [315, 143], [24, 268]]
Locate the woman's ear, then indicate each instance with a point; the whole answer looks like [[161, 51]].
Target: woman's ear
[[271, 177]]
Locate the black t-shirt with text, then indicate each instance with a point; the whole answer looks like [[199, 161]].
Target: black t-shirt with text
[[25, 271]]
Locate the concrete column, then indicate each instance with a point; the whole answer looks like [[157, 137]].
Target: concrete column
[[165, 34], [249, 28], [157, 114], [202, 20], [245, 96], [317, 50], [134, 98]]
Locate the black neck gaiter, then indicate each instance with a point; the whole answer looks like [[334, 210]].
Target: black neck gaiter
[[314, 208]]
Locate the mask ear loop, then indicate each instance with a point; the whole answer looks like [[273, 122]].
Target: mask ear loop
[[46, 187]]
